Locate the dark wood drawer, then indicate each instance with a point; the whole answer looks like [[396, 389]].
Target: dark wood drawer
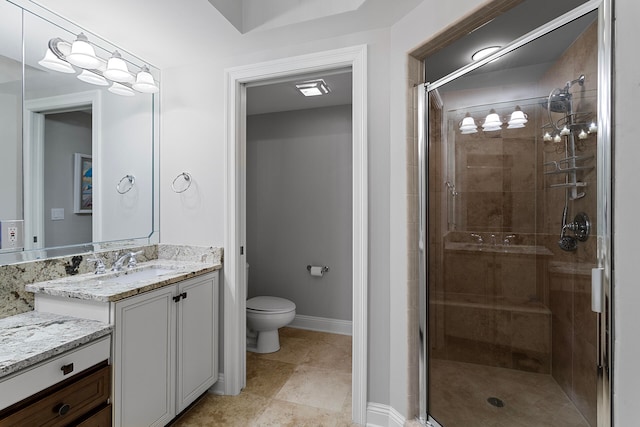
[[102, 418], [63, 406]]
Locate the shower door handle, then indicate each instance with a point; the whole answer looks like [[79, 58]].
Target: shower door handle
[[597, 280]]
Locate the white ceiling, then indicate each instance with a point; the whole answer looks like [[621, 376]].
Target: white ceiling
[[271, 97]]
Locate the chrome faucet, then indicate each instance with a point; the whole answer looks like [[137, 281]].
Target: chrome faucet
[[100, 267], [478, 237], [130, 256]]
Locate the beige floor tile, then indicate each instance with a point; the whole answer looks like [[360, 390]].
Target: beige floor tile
[[266, 377], [320, 388], [329, 354], [224, 411], [286, 414], [292, 350]]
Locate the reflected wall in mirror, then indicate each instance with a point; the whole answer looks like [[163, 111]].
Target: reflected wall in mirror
[[64, 114]]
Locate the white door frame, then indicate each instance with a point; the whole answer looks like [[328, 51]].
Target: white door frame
[[33, 160], [235, 214]]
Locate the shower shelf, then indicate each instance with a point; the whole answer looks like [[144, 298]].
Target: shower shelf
[[557, 168], [566, 170], [569, 185]]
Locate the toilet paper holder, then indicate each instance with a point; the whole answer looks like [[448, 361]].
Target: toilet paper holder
[[324, 268]]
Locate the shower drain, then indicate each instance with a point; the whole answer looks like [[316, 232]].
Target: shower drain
[[498, 403]]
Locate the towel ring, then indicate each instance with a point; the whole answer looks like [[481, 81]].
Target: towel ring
[[127, 178], [187, 177]]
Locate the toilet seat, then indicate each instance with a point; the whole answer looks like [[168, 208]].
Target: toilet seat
[[266, 304]]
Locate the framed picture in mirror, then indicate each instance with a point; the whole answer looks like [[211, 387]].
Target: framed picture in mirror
[[82, 183]]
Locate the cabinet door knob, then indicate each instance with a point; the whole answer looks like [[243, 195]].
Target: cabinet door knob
[[67, 369], [63, 408]]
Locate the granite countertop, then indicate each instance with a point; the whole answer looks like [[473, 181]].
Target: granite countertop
[[114, 286], [29, 338]]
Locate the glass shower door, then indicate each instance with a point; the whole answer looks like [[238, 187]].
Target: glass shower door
[[515, 172]]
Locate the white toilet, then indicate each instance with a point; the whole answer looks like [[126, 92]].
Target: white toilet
[[265, 315]]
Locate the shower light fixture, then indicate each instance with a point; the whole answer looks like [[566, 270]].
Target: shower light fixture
[[468, 125], [61, 55], [316, 87], [484, 52]]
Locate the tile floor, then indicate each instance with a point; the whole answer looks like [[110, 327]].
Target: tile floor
[[460, 392], [306, 383]]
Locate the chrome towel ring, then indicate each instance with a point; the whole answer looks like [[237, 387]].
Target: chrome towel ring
[[130, 179], [187, 178]]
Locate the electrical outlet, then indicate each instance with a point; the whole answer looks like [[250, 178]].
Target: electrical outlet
[[11, 237]]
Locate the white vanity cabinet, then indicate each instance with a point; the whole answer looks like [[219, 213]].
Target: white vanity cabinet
[[165, 350]]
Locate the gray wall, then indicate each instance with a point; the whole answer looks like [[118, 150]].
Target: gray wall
[[299, 208], [64, 135]]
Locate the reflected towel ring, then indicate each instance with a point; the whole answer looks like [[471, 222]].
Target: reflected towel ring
[[127, 178], [187, 177]]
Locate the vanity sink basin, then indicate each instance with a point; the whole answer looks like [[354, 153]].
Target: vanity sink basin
[[136, 275]]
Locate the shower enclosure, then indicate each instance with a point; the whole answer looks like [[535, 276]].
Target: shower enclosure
[[515, 187]]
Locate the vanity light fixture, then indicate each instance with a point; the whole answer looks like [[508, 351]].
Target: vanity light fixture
[[144, 81], [492, 122], [52, 62], [547, 137], [484, 52], [316, 87], [117, 70], [557, 138], [565, 131], [468, 125], [518, 119], [593, 128], [82, 54], [582, 134], [61, 55]]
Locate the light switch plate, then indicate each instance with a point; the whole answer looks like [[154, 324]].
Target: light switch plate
[[57, 214]]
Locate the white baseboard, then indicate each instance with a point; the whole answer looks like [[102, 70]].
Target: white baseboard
[[322, 324], [218, 387], [379, 415]]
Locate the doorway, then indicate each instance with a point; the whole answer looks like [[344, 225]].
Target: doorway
[[235, 216], [517, 162]]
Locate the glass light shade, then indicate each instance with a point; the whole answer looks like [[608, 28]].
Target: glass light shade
[[82, 54], [593, 128], [52, 62], [492, 121], [468, 125], [518, 119], [144, 82], [547, 137], [117, 69], [120, 89], [565, 131], [93, 78], [582, 134], [557, 138]]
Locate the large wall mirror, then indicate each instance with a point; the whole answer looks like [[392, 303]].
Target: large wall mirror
[[79, 149]]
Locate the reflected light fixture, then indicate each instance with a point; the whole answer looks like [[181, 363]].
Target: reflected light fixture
[[61, 55], [518, 119], [120, 89], [593, 128], [547, 137], [557, 138], [316, 87], [492, 122], [468, 125], [582, 134], [484, 52], [91, 77], [565, 131]]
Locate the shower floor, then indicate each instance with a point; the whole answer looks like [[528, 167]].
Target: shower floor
[[459, 393]]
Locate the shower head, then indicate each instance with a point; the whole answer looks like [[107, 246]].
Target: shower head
[[559, 101], [568, 243]]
